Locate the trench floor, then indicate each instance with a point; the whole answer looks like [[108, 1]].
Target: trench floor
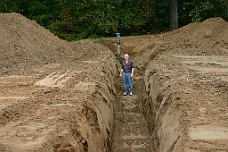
[[130, 131]]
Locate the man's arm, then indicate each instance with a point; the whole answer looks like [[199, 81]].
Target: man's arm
[[132, 72], [132, 68], [121, 72]]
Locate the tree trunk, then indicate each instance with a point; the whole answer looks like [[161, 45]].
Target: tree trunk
[[174, 14]]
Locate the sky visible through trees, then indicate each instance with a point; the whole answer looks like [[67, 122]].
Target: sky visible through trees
[[81, 19]]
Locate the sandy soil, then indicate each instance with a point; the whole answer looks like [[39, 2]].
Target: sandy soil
[[62, 96]]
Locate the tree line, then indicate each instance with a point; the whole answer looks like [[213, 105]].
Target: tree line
[[81, 19]]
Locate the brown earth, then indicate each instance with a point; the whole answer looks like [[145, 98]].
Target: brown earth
[[54, 95], [66, 96]]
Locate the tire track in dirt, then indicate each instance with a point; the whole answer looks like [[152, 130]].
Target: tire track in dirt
[[130, 131]]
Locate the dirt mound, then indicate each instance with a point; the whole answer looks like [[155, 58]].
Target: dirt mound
[[24, 44], [207, 38]]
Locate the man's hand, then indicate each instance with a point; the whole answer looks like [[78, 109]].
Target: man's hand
[[121, 75], [132, 75]]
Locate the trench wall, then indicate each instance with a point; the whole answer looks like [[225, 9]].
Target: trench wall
[[163, 109]]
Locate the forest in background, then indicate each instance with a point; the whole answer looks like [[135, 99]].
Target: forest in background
[[81, 19]]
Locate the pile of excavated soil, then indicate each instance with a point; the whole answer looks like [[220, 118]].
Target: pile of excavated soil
[[185, 73], [54, 95], [24, 44], [207, 38]]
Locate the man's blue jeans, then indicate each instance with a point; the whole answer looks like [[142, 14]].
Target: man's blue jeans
[[127, 81]]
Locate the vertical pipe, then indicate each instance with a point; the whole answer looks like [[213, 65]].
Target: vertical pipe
[[118, 46]]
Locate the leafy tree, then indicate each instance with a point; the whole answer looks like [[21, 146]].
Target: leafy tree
[[201, 10], [73, 20]]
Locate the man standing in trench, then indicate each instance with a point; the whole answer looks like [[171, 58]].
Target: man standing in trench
[[126, 73]]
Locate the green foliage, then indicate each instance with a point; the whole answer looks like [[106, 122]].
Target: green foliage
[[201, 10], [73, 20]]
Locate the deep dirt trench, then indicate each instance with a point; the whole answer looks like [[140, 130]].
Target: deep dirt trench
[[131, 133], [130, 128]]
